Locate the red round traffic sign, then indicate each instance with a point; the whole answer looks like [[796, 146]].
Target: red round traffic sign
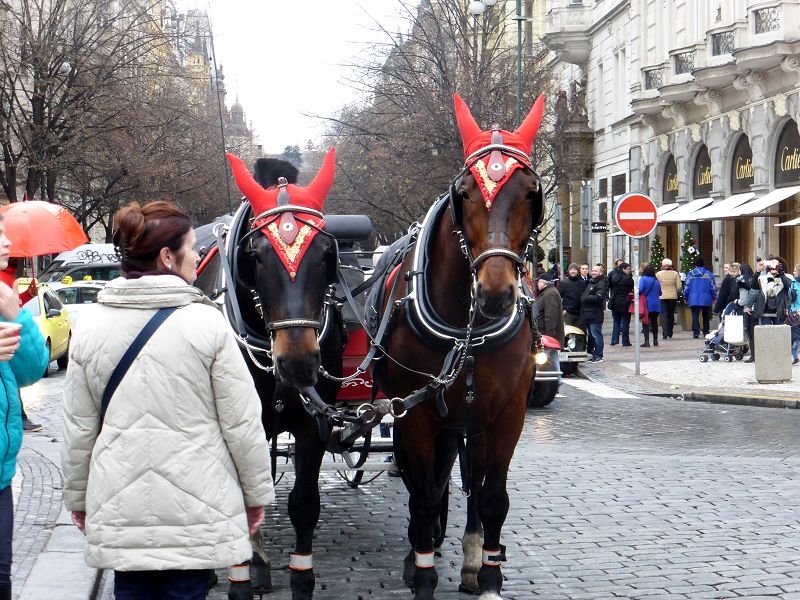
[[636, 215]]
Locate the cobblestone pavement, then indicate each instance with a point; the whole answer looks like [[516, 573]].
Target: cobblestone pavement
[[610, 498]]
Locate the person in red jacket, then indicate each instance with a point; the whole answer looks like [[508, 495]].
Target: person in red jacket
[[9, 277]]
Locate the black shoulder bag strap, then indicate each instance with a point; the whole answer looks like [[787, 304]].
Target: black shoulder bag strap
[[130, 355]]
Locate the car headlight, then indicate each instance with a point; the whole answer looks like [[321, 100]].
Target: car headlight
[[571, 342]]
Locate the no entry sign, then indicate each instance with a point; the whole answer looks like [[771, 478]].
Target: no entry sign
[[636, 215]]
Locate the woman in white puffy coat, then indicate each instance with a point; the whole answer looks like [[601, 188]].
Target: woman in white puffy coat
[[178, 475]]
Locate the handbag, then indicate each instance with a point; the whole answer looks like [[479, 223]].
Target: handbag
[[644, 314], [130, 354]]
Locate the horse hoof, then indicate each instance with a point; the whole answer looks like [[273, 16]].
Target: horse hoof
[[240, 590], [260, 576], [463, 588]]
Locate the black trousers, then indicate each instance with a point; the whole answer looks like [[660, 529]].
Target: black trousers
[[668, 316]]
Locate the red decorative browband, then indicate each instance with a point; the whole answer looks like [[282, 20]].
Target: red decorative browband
[[289, 215]]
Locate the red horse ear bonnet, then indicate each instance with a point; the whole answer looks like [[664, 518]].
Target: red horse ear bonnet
[[290, 231], [492, 170]]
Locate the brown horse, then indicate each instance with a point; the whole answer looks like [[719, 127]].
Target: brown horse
[[458, 308]]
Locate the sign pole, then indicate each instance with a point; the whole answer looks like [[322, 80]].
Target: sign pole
[[637, 349], [636, 216]]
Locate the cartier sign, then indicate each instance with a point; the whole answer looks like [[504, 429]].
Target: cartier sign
[[670, 182], [787, 156], [702, 181], [742, 172]]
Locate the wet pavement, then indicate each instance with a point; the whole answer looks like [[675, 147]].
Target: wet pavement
[[613, 495]]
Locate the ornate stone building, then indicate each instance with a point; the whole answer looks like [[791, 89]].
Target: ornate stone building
[[696, 103]]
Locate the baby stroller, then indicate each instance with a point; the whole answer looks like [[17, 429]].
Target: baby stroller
[[717, 347]]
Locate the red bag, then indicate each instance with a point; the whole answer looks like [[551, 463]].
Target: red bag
[[644, 315]]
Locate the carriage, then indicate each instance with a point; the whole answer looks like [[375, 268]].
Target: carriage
[[450, 343]]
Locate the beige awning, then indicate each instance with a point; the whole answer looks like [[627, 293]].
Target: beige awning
[[683, 214], [665, 208], [789, 223], [754, 207], [723, 208]]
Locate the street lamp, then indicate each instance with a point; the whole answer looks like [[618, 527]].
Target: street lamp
[[477, 8]]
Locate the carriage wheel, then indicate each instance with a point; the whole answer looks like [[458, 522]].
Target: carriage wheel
[[727, 358], [704, 358]]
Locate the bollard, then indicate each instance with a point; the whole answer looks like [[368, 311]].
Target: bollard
[[773, 353]]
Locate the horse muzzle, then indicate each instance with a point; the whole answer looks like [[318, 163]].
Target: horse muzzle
[[297, 358]]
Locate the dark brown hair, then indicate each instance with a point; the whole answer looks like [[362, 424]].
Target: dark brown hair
[[140, 232]]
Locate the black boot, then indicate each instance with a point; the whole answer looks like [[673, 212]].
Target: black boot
[[655, 338], [646, 343]]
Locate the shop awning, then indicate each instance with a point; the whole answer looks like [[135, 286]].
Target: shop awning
[[723, 208], [754, 207], [665, 208], [683, 214], [789, 223]]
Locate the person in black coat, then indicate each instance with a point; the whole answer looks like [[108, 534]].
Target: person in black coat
[[728, 291], [618, 303], [593, 308], [571, 289]]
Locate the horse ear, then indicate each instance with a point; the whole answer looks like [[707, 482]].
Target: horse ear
[[257, 196], [466, 124], [530, 126], [319, 188]]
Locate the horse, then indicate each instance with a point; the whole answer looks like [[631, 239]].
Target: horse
[[279, 263], [456, 302]]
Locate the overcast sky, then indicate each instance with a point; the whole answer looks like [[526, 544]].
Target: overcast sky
[[283, 58]]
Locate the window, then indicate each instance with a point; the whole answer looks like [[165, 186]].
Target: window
[[653, 78], [684, 62], [767, 19], [618, 185], [722, 43], [602, 188]]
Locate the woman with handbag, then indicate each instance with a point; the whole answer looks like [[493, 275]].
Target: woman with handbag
[[168, 479], [748, 299], [650, 296]]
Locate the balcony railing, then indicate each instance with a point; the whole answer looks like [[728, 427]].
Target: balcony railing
[[767, 19], [653, 78], [684, 62], [722, 43]]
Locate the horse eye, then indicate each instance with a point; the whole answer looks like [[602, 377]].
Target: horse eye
[[463, 194]]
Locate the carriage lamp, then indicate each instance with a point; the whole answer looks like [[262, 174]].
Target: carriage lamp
[[541, 357]]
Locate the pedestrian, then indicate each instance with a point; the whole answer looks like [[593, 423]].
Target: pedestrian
[[549, 314], [9, 277], [585, 272], [775, 287], [793, 317], [748, 294], [593, 303], [620, 295], [650, 293], [671, 288], [727, 290], [571, 289], [171, 479], [23, 359], [700, 292]]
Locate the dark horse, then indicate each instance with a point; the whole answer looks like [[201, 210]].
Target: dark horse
[[279, 265], [458, 305]]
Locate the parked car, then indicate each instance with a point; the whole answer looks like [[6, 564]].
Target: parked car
[[100, 259], [80, 272], [80, 298], [53, 320], [548, 377]]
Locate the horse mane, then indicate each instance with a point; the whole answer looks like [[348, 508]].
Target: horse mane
[[268, 170]]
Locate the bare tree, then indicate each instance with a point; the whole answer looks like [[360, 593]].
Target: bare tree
[[398, 151]]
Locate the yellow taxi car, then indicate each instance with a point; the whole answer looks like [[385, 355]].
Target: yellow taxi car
[[53, 320]]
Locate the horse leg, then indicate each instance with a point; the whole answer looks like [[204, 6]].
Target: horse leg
[[472, 542], [304, 507], [417, 463], [493, 502]]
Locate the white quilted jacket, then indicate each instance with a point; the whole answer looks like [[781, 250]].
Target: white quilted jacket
[[182, 450]]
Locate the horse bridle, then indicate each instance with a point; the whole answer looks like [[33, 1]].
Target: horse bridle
[[263, 220], [519, 260]]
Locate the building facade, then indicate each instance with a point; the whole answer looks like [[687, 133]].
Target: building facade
[[695, 103]]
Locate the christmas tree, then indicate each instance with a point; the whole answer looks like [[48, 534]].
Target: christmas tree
[[656, 252], [688, 252]]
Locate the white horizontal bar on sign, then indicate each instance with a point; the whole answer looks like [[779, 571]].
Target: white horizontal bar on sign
[[637, 215]]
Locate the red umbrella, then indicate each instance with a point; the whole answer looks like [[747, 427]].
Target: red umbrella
[[36, 227]]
